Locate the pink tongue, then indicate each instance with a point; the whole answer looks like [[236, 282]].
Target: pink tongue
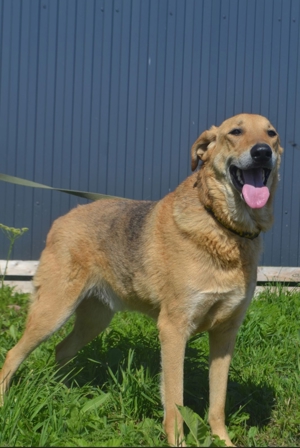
[[254, 191], [255, 197]]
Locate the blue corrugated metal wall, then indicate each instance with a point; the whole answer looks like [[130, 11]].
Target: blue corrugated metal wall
[[109, 95]]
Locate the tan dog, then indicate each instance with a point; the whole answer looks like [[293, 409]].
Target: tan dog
[[188, 260]]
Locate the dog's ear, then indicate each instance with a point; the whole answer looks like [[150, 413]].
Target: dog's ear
[[204, 142]]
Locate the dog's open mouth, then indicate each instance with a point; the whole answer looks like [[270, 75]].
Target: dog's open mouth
[[251, 184]]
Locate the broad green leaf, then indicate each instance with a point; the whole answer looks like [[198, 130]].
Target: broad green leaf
[[13, 333], [95, 402], [194, 422]]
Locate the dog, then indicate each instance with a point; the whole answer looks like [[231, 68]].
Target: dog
[[189, 261]]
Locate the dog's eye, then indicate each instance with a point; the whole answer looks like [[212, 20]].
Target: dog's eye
[[235, 132], [271, 133]]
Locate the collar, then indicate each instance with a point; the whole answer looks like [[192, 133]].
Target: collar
[[248, 235]]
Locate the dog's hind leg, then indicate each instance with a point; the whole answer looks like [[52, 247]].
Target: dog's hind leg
[[92, 317], [52, 304]]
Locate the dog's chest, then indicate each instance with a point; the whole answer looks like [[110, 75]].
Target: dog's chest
[[208, 310]]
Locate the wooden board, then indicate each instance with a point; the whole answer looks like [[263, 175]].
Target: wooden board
[[264, 273], [270, 274], [20, 286], [18, 267], [278, 274]]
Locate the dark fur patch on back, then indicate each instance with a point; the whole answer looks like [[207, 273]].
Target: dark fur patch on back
[[134, 230], [136, 219], [124, 244]]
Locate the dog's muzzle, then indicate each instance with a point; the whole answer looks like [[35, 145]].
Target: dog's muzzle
[[250, 174]]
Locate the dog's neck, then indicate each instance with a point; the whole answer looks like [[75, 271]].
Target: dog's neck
[[214, 208], [225, 248], [248, 235]]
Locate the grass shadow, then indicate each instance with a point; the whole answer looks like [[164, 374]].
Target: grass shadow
[[255, 400], [91, 363], [243, 396]]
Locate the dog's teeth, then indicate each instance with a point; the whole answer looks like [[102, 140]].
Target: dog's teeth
[[239, 177]]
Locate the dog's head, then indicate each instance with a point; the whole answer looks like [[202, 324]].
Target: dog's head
[[240, 159]]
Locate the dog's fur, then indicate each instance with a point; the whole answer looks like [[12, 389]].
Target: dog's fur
[[187, 260]]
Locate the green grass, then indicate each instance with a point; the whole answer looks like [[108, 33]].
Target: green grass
[[112, 398]]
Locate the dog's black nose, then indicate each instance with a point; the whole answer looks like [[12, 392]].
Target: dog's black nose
[[261, 152]]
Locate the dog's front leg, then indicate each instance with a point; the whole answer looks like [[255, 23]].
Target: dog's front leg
[[173, 341], [221, 350]]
